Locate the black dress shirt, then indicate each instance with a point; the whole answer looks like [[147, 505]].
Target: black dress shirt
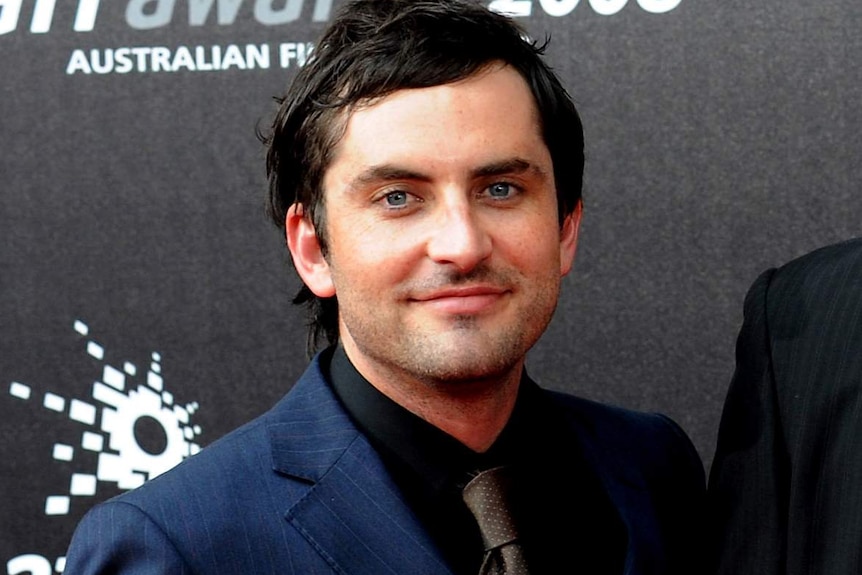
[[565, 517]]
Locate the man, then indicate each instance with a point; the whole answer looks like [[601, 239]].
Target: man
[[427, 167], [785, 483]]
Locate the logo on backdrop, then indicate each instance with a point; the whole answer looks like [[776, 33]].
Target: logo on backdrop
[[154, 14], [125, 404]]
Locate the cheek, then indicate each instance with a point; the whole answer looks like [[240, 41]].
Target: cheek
[[350, 241], [369, 264], [369, 242], [533, 247]]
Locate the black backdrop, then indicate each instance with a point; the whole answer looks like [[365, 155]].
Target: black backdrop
[[144, 297]]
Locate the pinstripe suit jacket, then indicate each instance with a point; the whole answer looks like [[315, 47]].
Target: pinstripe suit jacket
[[301, 491], [786, 482]]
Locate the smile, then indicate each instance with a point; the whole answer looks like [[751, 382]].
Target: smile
[[462, 301]]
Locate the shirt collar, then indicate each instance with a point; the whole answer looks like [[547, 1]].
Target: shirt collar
[[423, 448]]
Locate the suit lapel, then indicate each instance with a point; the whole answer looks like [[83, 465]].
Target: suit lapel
[[355, 515], [352, 513]]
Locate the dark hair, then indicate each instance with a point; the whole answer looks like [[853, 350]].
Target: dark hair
[[374, 48]]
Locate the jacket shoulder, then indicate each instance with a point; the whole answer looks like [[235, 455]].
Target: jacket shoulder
[[822, 269], [652, 442], [654, 476], [193, 515]]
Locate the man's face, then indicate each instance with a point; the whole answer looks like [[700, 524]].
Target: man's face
[[444, 246]]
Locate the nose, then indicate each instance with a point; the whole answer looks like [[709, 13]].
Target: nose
[[459, 238]]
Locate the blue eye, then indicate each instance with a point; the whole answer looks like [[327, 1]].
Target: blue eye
[[396, 199], [500, 190]]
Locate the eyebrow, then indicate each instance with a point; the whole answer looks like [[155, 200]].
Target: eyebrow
[[385, 173], [509, 166], [388, 172]]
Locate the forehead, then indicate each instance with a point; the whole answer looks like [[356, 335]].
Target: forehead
[[487, 117]]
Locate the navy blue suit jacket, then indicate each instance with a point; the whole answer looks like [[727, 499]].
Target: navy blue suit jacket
[[301, 490]]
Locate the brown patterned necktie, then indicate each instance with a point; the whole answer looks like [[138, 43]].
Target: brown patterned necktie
[[488, 496]]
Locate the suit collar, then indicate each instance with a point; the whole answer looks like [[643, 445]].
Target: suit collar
[[308, 429], [354, 515], [352, 512]]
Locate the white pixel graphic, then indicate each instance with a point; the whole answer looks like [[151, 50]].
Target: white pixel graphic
[[117, 405]]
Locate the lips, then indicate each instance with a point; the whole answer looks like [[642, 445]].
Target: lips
[[465, 300]]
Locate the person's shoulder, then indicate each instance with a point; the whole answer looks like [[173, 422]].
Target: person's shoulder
[[212, 496], [650, 469], [628, 447], [172, 506], [825, 260], [226, 462], [598, 415], [632, 435], [243, 457], [812, 279]]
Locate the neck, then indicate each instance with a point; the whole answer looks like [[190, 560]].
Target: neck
[[472, 411], [475, 413]]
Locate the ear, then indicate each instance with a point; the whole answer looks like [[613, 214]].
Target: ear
[[569, 238], [306, 252]]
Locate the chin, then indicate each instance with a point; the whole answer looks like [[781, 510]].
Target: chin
[[464, 363]]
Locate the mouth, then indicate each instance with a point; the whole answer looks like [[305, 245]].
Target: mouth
[[462, 300]]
